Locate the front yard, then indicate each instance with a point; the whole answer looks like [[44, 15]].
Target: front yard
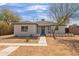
[[13, 39], [62, 46], [65, 45], [2, 47]]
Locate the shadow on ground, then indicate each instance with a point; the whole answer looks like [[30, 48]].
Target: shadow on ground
[[72, 44], [14, 37]]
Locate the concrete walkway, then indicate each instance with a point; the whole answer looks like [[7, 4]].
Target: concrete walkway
[[43, 41], [8, 50]]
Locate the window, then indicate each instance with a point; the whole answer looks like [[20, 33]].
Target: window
[[57, 28], [24, 28]]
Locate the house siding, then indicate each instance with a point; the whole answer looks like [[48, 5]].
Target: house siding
[[31, 30], [61, 29], [36, 28]]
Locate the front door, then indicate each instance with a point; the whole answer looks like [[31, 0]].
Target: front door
[[42, 30]]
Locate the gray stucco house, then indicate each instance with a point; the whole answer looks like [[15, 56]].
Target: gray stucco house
[[37, 28]]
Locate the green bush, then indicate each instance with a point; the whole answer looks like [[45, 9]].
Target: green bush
[[5, 29]]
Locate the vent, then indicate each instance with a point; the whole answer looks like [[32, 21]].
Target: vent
[[42, 19]]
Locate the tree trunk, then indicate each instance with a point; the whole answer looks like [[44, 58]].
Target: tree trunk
[[54, 34]]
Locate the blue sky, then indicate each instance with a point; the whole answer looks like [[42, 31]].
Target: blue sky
[[30, 11]]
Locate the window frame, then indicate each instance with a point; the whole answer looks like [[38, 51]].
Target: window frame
[[24, 28]]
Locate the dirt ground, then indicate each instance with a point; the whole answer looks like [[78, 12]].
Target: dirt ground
[[62, 46], [13, 39], [3, 47]]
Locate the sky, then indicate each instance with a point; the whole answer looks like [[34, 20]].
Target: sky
[[29, 11], [32, 11]]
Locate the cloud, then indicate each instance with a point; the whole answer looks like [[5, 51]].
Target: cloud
[[30, 11], [16, 4], [20, 11], [21, 8], [38, 8], [38, 16], [42, 16], [25, 17], [39, 11], [2, 4], [16, 9]]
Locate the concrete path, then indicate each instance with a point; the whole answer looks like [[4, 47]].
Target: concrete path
[[42, 40], [8, 50]]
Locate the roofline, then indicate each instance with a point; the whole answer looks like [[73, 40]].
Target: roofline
[[19, 23], [23, 23], [35, 24]]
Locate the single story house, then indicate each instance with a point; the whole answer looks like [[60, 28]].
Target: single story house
[[37, 28]]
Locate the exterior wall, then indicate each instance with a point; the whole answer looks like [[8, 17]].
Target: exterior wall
[[46, 30], [39, 30], [32, 29], [61, 29]]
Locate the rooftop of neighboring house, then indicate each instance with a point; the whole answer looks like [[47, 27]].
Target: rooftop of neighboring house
[[74, 26]]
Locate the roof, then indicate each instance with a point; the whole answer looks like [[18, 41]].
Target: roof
[[74, 25], [23, 22], [41, 23], [44, 23]]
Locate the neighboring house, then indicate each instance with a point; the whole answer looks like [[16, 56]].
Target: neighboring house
[[36, 28], [74, 29]]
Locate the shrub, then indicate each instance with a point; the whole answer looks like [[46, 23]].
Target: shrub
[[5, 29]]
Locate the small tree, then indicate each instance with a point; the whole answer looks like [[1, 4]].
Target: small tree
[[62, 13], [7, 17]]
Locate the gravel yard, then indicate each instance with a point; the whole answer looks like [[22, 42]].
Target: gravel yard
[[62, 46], [13, 39], [2, 47], [58, 47]]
